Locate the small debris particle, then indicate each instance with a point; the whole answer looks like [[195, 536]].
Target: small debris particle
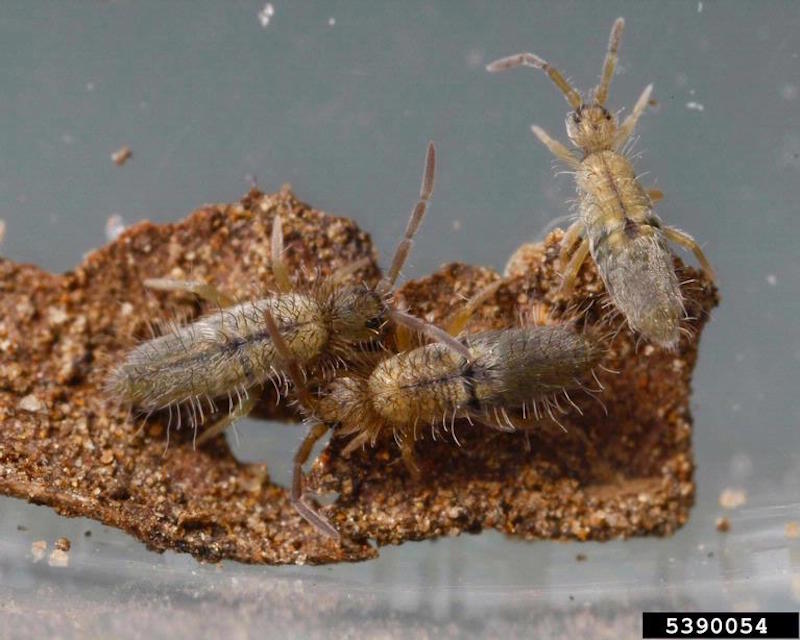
[[31, 403], [121, 155], [695, 106], [115, 225], [581, 557], [772, 279], [63, 544], [38, 549], [723, 525], [57, 315], [21, 527], [732, 498], [107, 457], [2, 230], [331, 21], [87, 534], [265, 15], [58, 558], [789, 91], [456, 225], [699, 7], [792, 530]]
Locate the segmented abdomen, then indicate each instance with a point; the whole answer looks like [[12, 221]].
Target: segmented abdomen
[[629, 248], [519, 366], [510, 368], [221, 353], [421, 384], [641, 281], [609, 193]]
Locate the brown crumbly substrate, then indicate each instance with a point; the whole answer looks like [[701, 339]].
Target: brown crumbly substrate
[[65, 444], [623, 467]]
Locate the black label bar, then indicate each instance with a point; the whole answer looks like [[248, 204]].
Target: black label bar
[[720, 624]]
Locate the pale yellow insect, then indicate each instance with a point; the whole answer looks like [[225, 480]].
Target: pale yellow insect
[[228, 354], [508, 379], [616, 223]]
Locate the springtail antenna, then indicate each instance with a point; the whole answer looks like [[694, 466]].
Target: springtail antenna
[[534, 61], [414, 222], [610, 62]]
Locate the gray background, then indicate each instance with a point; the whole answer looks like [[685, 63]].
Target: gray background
[[205, 96]]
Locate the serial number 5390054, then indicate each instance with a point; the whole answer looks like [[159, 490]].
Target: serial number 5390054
[[731, 627], [720, 624]]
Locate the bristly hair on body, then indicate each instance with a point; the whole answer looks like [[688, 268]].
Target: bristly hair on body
[[508, 379], [229, 355], [616, 225]]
